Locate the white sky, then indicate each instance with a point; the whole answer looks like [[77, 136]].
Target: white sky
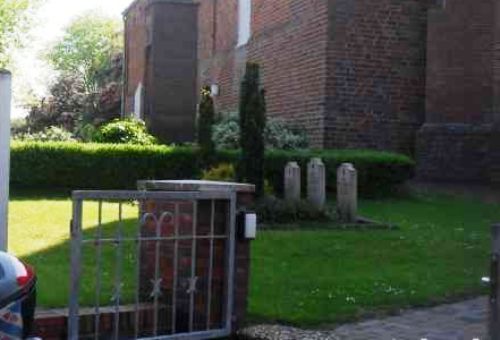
[[31, 70]]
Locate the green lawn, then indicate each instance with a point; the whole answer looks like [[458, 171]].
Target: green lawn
[[306, 277]]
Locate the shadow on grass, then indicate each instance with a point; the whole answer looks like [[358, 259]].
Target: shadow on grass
[[25, 194], [52, 266]]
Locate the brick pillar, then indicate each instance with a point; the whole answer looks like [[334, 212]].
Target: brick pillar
[[242, 265], [245, 199]]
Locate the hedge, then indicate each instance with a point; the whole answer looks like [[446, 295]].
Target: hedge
[[40, 165]]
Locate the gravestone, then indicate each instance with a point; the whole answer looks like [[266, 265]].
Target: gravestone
[[292, 182], [347, 193], [316, 183]]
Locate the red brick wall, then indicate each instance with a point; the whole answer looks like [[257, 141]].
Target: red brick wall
[[289, 41], [352, 73], [217, 50], [460, 62], [161, 53], [136, 30], [376, 67], [458, 140], [172, 90]]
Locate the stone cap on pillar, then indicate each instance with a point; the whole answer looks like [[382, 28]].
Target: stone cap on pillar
[[195, 185]]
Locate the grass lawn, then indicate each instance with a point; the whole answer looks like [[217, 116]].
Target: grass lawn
[[307, 277]]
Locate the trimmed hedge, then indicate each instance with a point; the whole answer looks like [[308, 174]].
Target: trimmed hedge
[[112, 166], [96, 166]]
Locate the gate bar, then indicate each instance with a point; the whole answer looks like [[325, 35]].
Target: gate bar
[[174, 284], [211, 264], [98, 271], [76, 252], [231, 259], [119, 269], [192, 283], [177, 197]]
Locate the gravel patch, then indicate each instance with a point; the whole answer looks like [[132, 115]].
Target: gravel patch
[[466, 320]]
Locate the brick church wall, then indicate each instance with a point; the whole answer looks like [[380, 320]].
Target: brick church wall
[[456, 141], [217, 53], [352, 73], [161, 53], [289, 41], [421, 77], [376, 75], [136, 40]]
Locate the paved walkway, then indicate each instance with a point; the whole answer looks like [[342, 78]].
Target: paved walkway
[[459, 321]]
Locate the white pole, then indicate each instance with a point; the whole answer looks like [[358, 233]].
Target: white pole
[[5, 102]]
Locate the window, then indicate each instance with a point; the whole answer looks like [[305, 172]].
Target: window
[[244, 21]]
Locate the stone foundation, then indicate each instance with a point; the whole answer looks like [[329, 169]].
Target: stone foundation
[[455, 152]]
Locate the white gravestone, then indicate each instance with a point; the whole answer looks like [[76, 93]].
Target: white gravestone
[[347, 193], [292, 182], [5, 103], [316, 183]]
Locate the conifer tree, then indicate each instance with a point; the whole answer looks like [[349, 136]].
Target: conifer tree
[[206, 118], [252, 125]]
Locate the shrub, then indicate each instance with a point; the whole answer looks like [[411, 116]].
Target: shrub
[[18, 127], [86, 132], [97, 166], [224, 172], [252, 125], [226, 133], [205, 126], [119, 166], [125, 131], [278, 134], [274, 210], [50, 134], [379, 173]]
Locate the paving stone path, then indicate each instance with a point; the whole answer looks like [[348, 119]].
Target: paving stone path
[[459, 321]]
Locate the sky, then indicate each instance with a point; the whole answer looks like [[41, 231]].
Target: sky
[[30, 69]]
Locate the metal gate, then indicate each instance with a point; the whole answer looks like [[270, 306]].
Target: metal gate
[[151, 265]]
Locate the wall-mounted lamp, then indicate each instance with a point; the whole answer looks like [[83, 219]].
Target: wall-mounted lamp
[[214, 90]]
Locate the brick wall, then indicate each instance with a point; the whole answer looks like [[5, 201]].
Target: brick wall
[[241, 268], [219, 61], [136, 39], [376, 67], [352, 73], [457, 141], [288, 41], [172, 91], [454, 152], [460, 63], [161, 53]]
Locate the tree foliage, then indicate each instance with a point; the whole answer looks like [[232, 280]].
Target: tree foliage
[[87, 48], [88, 88], [63, 108], [14, 19], [252, 125], [125, 131]]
